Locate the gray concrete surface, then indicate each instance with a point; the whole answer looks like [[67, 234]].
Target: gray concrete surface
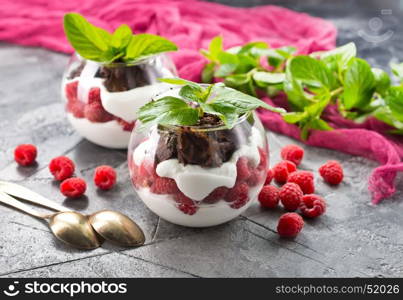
[[354, 238]]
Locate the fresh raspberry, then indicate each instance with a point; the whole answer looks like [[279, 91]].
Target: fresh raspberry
[[290, 196], [304, 179], [164, 185], [185, 204], [269, 176], [216, 195], [73, 187], [238, 195], [25, 154], [290, 224], [269, 196], [95, 112], [242, 169], [105, 177], [332, 172], [282, 170], [263, 159], [94, 96], [292, 153], [255, 177], [312, 206], [71, 91], [125, 125], [61, 168]]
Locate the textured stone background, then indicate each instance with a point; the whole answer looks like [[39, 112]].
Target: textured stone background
[[354, 238]]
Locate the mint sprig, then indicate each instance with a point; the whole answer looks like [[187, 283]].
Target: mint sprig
[[312, 82], [97, 44], [196, 100]]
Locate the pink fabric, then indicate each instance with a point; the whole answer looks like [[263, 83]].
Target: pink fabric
[[192, 24]]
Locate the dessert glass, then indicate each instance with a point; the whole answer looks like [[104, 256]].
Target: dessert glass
[[102, 99], [199, 176]]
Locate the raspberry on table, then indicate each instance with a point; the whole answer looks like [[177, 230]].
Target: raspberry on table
[[238, 195], [185, 204], [164, 185], [282, 170], [292, 153], [216, 195], [242, 169], [290, 196], [95, 112], [25, 154], [269, 176], [332, 172], [304, 179], [61, 167], [289, 225], [105, 177], [312, 206], [73, 187], [269, 196]]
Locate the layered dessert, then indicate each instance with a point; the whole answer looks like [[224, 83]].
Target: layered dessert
[[202, 174], [110, 77]]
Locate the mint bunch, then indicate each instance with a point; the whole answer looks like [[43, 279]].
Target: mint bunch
[[195, 101], [312, 82], [97, 44]]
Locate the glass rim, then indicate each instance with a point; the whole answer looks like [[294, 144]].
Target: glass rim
[[122, 64]]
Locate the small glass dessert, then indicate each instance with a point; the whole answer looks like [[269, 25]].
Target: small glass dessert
[[103, 91], [198, 170]]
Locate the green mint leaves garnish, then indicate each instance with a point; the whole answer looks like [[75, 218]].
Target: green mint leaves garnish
[[97, 44], [311, 82], [195, 100]]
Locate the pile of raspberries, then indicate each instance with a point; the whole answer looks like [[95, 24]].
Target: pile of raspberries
[[62, 168], [296, 191]]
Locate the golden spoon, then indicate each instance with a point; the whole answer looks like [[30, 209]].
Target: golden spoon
[[113, 226], [69, 227]]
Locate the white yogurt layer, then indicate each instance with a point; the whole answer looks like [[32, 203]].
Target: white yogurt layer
[[206, 215], [109, 134], [198, 182]]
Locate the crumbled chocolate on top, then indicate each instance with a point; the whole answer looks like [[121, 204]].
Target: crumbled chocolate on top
[[209, 148]]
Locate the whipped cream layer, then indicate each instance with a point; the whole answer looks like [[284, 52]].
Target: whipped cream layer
[[198, 182]]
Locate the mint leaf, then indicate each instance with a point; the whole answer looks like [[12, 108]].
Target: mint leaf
[[228, 64], [144, 44], [394, 101], [121, 37], [207, 75], [191, 93], [236, 80], [168, 111], [178, 81], [215, 47], [294, 117], [89, 41], [266, 78], [359, 84], [397, 70], [227, 113], [338, 59], [382, 80]]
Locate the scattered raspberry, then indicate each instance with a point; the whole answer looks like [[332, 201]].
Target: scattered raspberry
[[292, 153], [61, 168], [242, 169], [332, 172], [105, 177], [216, 195], [263, 159], [25, 154], [282, 170], [269, 176], [71, 91], [305, 181], [94, 112], [164, 185], [238, 195], [290, 196], [94, 96], [255, 177], [269, 196], [73, 187], [312, 206], [185, 204], [290, 224]]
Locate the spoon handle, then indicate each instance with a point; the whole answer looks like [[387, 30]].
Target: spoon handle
[[26, 194], [7, 199]]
